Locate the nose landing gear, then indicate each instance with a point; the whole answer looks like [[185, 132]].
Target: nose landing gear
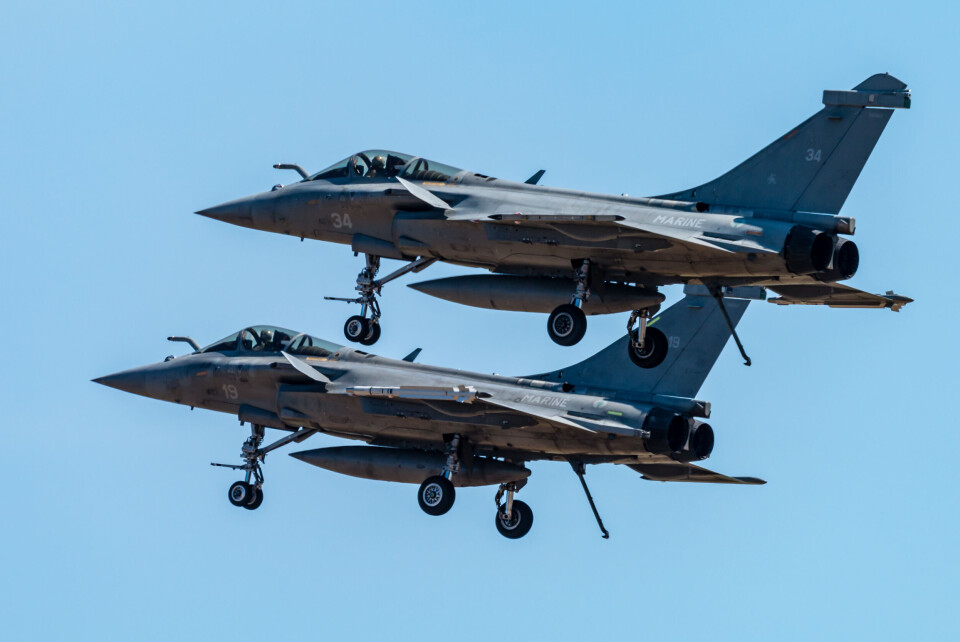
[[364, 328], [246, 495], [249, 492]]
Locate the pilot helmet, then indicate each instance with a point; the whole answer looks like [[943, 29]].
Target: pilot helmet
[[378, 161], [266, 336]]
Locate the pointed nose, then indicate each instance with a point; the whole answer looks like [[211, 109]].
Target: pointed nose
[[237, 212], [133, 381]]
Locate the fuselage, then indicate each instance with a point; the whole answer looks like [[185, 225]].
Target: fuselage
[[264, 388], [378, 216]]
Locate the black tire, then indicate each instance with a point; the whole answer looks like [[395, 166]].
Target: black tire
[[239, 493], [256, 498], [372, 336], [436, 495], [521, 520], [654, 349], [356, 328], [567, 324]]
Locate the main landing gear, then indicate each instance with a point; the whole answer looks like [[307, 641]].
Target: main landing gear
[[567, 323], [249, 492], [437, 494], [514, 517], [647, 346], [364, 328]]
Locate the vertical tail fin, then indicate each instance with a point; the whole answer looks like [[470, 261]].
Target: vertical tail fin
[[814, 166], [696, 332]]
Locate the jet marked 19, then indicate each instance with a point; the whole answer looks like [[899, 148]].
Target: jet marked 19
[[444, 428]]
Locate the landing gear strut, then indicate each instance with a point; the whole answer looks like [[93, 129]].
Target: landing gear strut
[[249, 492], [648, 346], [436, 495], [514, 517], [364, 328], [567, 323]]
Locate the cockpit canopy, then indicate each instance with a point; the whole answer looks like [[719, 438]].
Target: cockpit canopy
[[271, 339], [380, 164]]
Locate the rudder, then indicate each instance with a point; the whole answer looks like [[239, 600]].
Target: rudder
[[815, 165]]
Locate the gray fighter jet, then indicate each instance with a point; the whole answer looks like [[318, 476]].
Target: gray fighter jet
[[442, 428], [771, 221]]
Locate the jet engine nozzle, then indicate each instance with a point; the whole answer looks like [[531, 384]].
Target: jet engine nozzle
[[846, 260], [699, 445], [669, 432], [807, 250]]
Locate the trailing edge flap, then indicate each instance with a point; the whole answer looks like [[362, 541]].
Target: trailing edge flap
[[682, 472], [424, 195], [550, 415], [305, 368], [835, 295]]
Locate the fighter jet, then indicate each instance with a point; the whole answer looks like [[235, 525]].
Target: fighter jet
[[444, 428], [771, 221]]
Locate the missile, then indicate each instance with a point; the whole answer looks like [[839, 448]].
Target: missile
[[534, 294], [462, 394], [409, 466]]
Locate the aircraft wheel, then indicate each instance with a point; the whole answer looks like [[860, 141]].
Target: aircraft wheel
[[654, 349], [256, 498], [567, 324], [356, 328], [372, 336], [436, 495], [240, 493], [521, 519]]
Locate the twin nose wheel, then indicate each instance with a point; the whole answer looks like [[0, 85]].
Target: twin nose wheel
[[362, 330], [245, 495]]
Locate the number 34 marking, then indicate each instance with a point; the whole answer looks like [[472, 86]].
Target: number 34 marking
[[813, 155], [341, 221]]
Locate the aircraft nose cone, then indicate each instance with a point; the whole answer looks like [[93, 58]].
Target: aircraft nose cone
[[132, 381], [238, 212]]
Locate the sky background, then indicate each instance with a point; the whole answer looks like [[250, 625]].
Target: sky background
[[118, 121]]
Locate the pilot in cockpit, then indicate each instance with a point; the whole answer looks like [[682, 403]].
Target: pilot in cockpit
[[266, 341], [378, 167]]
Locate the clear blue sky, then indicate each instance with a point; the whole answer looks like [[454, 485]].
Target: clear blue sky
[[119, 121]]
